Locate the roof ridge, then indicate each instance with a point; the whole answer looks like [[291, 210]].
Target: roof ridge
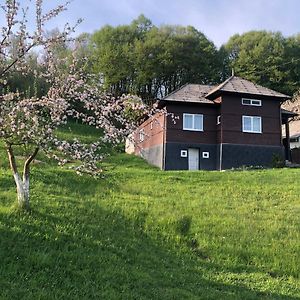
[[246, 86], [221, 85]]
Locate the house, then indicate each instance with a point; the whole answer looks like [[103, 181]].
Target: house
[[295, 141], [237, 123]]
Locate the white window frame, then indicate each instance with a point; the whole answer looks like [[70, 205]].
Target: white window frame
[[252, 118], [205, 155], [183, 153], [193, 128], [218, 119], [142, 135], [252, 102]]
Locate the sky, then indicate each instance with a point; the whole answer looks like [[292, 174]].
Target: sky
[[217, 19]]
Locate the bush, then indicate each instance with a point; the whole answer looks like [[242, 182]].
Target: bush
[[277, 161]]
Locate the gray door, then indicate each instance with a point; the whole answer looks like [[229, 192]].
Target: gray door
[[193, 155]]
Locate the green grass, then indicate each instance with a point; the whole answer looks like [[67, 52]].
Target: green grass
[[141, 233]]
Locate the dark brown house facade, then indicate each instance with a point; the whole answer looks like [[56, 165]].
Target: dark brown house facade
[[237, 123]]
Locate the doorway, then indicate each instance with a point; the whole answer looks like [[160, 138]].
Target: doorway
[[193, 155]]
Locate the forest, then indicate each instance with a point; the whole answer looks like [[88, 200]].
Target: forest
[[150, 61]]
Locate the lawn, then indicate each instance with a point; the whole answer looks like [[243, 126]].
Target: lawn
[[141, 233]]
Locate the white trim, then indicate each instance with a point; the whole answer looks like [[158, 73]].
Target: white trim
[[205, 154], [252, 118], [184, 153], [251, 102], [193, 116], [218, 119]]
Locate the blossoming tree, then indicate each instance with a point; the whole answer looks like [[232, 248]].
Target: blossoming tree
[[30, 123]]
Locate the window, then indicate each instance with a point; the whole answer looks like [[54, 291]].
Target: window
[[218, 120], [183, 153], [142, 135], [252, 102], [193, 122], [252, 124], [205, 154]]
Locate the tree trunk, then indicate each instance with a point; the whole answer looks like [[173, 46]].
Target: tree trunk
[[22, 192], [23, 186]]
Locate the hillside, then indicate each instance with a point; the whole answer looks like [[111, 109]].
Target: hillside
[[141, 233]]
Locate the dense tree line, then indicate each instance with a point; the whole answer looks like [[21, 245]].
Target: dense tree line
[[152, 61]]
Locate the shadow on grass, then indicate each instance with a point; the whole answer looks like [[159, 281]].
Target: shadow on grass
[[99, 254]]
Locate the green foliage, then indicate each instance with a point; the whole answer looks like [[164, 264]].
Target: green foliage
[[30, 85], [150, 61], [277, 161], [266, 58], [141, 233]]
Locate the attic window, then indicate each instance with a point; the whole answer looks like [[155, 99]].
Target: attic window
[[252, 102]]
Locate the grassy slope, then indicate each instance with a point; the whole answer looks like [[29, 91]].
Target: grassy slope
[[146, 234]]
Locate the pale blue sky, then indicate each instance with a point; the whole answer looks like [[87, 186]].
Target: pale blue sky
[[217, 19]]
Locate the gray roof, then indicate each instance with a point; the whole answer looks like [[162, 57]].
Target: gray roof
[[191, 93], [236, 84]]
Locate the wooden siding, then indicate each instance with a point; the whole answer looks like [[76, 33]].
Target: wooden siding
[[175, 132], [232, 111]]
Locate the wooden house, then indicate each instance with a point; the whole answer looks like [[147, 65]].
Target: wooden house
[[237, 123]]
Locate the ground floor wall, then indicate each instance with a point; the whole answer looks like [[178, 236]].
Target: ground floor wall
[[174, 160], [234, 156], [153, 155], [220, 157]]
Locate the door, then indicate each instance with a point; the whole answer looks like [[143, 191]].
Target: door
[[193, 159]]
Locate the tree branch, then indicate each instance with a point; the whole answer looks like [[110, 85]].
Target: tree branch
[[10, 23], [12, 159], [17, 59], [28, 162]]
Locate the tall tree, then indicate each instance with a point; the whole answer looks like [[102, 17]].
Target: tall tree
[[264, 57], [152, 61]]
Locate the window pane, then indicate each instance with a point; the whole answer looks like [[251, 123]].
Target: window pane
[[247, 101], [257, 124], [188, 121], [246, 123], [198, 122], [256, 102]]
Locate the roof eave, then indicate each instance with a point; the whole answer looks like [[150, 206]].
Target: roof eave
[[183, 101], [216, 94]]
